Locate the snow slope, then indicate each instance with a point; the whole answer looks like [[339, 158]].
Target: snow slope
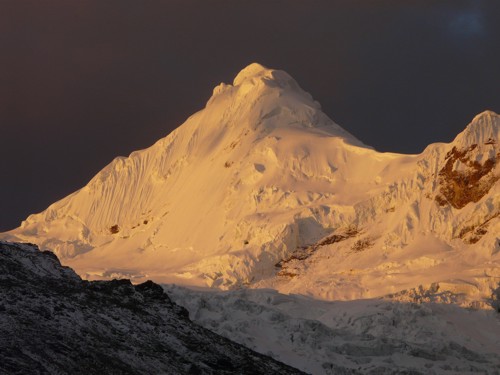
[[372, 336], [261, 188]]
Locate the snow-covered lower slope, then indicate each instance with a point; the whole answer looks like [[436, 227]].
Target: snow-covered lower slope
[[372, 336], [261, 188], [52, 322]]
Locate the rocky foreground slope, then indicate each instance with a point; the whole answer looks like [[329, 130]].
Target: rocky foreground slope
[[52, 322]]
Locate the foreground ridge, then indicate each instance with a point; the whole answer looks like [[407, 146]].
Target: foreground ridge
[[53, 322]]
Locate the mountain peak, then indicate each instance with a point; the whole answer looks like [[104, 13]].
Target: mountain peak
[[483, 130], [486, 114], [252, 71], [265, 99], [256, 73]]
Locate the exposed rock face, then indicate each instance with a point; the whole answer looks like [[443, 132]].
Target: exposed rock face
[[52, 322], [470, 166], [469, 183]]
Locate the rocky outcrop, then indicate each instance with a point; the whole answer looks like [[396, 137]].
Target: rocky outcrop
[[469, 184], [53, 322]]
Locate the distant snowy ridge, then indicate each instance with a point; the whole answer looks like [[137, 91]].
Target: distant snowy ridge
[[261, 188], [370, 336]]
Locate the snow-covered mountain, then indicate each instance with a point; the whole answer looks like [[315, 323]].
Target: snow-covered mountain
[[52, 322], [261, 188]]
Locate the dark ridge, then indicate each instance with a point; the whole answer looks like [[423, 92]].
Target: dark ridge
[[53, 322]]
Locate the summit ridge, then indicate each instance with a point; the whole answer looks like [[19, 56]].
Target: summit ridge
[[252, 71], [483, 130], [255, 73]]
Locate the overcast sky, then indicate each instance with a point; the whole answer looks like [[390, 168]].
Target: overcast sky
[[84, 81]]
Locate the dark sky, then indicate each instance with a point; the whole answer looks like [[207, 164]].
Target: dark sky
[[84, 81]]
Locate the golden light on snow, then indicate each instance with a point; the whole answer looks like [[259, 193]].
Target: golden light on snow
[[261, 188]]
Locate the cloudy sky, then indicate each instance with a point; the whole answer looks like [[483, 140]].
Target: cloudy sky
[[84, 81]]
